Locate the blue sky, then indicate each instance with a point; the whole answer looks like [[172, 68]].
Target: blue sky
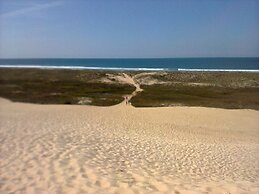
[[128, 28]]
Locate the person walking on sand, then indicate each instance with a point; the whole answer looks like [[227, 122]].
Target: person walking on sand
[[126, 100]]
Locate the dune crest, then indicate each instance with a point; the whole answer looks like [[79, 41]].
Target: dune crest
[[86, 149]]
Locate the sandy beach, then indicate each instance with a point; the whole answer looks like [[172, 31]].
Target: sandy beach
[[129, 97], [122, 149]]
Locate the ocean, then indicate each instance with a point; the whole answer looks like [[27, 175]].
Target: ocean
[[142, 64]]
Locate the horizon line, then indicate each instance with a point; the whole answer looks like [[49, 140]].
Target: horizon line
[[123, 57]]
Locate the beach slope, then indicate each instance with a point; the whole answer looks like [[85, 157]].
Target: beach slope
[[122, 149]]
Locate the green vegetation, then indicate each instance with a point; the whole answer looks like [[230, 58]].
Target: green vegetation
[[60, 87], [208, 89], [222, 79], [232, 90], [207, 96]]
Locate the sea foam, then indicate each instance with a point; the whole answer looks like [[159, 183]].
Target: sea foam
[[125, 68]]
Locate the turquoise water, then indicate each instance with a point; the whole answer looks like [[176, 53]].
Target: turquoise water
[[157, 64]]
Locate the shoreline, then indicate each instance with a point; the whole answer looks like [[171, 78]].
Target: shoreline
[[125, 68]]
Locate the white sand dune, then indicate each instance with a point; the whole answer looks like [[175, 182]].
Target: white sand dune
[[122, 149]]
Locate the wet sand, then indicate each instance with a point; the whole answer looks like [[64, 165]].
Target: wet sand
[[122, 149]]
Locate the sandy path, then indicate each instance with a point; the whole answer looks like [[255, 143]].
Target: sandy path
[[130, 80], [85, 149], [125, 78]]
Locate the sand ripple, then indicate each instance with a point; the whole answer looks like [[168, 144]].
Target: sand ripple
[[84, 149]]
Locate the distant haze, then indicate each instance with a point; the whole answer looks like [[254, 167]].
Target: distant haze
[[128, 29]]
